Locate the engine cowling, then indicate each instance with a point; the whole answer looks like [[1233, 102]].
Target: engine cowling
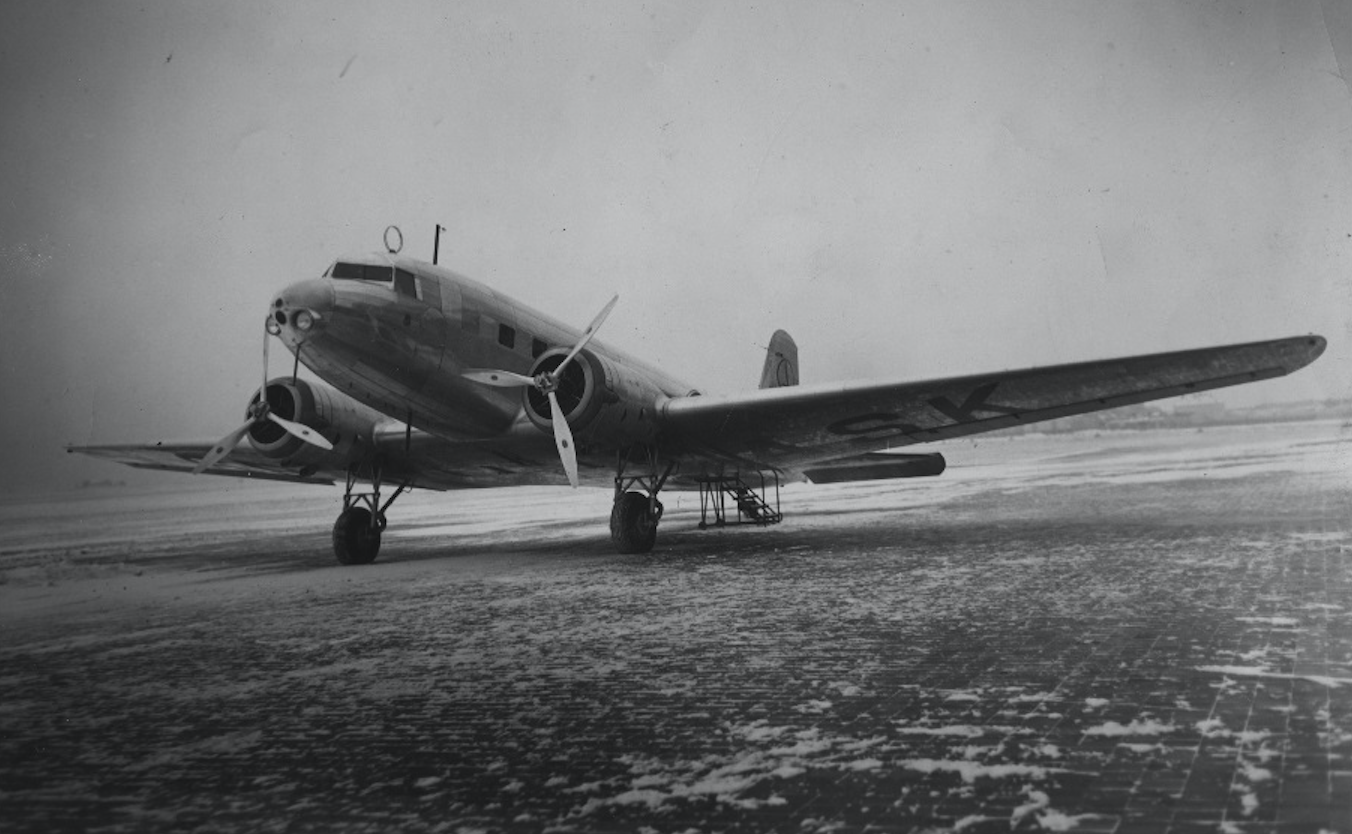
[[345, 423], [605, 403]]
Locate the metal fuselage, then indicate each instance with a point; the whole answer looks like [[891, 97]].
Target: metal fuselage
[[397, 334]]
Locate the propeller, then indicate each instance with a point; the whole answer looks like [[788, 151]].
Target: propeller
[[548, 383], [259, 411]]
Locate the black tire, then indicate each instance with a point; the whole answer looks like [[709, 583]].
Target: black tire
[[633, 527], [355, 541]]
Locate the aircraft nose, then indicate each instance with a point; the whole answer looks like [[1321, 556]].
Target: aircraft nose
[[300, 310]]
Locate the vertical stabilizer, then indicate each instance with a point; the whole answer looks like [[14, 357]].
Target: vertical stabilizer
[[781, 362]]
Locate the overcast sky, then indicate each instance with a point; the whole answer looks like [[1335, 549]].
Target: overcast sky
[[912, 190]]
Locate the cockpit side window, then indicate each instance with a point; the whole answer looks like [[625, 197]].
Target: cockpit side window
[[404, 283], [430, 291], [361, 272]]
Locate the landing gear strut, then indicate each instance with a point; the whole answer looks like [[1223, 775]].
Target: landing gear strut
[[356, 533], [635, 514]]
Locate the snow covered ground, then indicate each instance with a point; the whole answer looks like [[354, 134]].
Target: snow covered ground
[[1125, 632]]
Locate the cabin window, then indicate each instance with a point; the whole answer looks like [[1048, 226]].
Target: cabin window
[[469, 321], [506, 336], [404, 283], [361, 272], [537, 347]]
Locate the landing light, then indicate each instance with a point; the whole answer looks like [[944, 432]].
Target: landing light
[[303, 320], [273, 327]]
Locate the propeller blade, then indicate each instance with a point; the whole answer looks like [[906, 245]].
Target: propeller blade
[[499, 379], [587, 335], [302, 431], [220, 450], [563, 438], [263, 392]]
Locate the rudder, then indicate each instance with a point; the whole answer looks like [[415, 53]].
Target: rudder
[[781, 362]]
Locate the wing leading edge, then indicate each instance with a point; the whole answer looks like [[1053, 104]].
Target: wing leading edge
[[791, 428]]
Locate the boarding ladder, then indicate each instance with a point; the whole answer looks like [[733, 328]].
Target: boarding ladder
[[750, 502]]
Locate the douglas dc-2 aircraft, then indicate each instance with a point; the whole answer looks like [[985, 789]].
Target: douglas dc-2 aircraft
[[439, 382]]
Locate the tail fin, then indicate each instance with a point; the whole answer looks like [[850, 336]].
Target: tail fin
[[781, 362]]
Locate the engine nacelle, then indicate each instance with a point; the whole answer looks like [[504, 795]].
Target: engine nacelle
[[345, 423], [606, 403]]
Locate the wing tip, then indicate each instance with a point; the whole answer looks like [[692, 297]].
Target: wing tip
[[1311, 348]]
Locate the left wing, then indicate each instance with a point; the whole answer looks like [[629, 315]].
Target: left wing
[[797, 427], [183, 456]]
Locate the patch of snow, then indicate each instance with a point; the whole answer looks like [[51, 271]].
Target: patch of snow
[[1142, 748], [1054, 820], [805, 747], [1149, 727], [1280, 622], [862, 744], [956, 730], [1259, 672], [971, 771], [1040, 800], [760, 731], [1212, 727], [863, 764], [1319, 537], [813, 707], [638, 797], [1032, 698], [1096, 703]]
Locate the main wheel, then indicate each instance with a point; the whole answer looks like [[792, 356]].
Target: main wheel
[[355, 540], [633, 525]]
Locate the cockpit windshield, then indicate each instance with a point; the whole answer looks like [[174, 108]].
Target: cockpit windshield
[[362, 272]]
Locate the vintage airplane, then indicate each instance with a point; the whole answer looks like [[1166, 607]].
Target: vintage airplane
[[439, 382]]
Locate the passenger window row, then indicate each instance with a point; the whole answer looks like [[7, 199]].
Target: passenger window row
[[471, 321]]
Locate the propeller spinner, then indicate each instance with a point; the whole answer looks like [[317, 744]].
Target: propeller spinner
[[259, 412], [547, 382]]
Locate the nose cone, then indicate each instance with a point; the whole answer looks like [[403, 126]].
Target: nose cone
[[301, 310]]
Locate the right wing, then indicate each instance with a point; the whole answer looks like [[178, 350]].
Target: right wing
[[795, 428]]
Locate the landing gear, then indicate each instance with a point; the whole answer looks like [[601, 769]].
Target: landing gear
[[356, 533], [633, 524], [635, 514], [356, 536]]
